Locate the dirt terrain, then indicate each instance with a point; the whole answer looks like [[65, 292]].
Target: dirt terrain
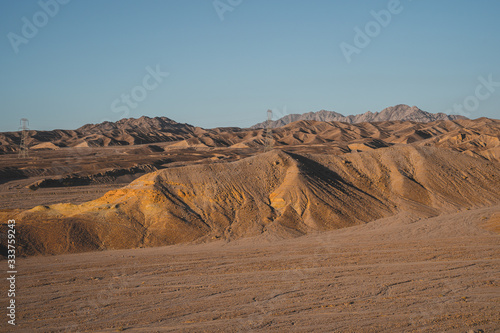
[[372, 227], [289, 195], [78, 175], [406, 273]]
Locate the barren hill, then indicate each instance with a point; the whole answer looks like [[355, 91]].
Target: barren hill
[[307, 128], [53, 166], [123, 132], [480, 136], [141, 124], [277, 193], [399, 112]]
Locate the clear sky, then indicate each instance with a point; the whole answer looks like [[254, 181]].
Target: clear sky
[[228, 61]]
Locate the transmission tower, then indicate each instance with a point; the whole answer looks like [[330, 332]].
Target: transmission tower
[[268, 139], [23, 147]]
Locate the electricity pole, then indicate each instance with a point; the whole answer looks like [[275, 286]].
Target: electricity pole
[[268, 139], [23, 147]]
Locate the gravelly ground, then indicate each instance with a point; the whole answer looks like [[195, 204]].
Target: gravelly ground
[[399, 274]]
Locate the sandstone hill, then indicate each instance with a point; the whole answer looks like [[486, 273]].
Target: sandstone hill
[[399, 112], [278, 193]]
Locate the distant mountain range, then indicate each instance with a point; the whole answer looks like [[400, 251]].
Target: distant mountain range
[[399, 112], [313, 127]]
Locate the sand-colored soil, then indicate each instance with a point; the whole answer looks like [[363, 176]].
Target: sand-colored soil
[[278, 193], [400, 274], [371, 227]]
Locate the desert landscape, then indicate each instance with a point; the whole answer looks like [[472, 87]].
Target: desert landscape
[[380, 222], [250, 166]]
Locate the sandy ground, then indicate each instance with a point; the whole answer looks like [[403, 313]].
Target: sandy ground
[[17, 174], [25, 199], [400, 274]]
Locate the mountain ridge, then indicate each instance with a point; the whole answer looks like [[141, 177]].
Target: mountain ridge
[[157, 123], [146, 130], [401, 112]]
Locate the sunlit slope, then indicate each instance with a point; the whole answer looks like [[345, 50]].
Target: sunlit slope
[[278, 193]]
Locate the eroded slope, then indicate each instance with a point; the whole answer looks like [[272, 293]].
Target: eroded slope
[[279, 193]]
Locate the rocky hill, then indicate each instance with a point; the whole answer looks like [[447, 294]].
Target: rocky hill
[[480, 136], [319, 127], [399, 112], [161, 124], [288, 195], [123, 132]]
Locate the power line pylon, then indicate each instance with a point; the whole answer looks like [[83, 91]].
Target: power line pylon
[[268, 139], [23, 147]]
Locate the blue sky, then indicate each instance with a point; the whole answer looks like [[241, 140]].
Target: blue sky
[[283, 55]]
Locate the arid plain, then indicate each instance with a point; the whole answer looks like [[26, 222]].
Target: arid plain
[[369, 227]]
